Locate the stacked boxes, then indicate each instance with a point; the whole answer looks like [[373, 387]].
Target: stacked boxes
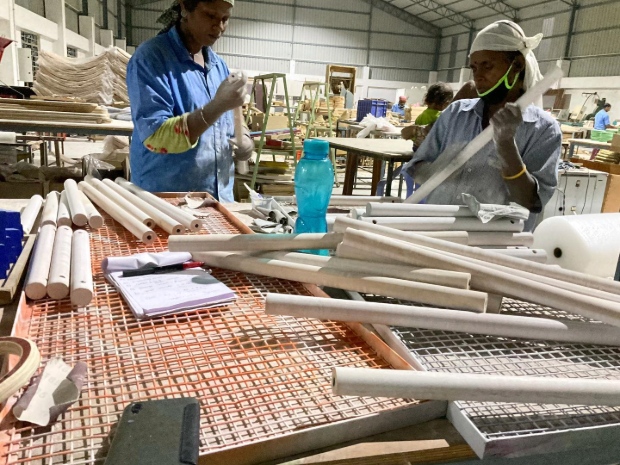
[[11, 235]]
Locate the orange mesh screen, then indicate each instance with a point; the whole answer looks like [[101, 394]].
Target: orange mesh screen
[[257, 377]]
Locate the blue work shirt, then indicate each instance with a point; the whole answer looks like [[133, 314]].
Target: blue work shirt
[[397, 109], [601, 120], [164, 81], [539, 140]]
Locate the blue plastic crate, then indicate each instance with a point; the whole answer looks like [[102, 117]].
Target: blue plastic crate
[[377, 108]]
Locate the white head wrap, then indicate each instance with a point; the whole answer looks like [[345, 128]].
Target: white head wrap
[[506, 36]]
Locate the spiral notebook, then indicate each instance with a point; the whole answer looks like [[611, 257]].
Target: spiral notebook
[[154, 295]]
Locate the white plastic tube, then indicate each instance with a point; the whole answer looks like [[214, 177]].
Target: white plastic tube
[[252, 242], [77, 210], [410, 384], [64, 216], [30, 213], [123, 203], [95, 220], [421, 223], [36, 280], [50, 210], [60, 269], [423, 209], [81, 270]]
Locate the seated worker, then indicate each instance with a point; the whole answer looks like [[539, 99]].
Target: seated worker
[[601, 120], [400, 106], [181, 101], [436, 99], [520, 165]]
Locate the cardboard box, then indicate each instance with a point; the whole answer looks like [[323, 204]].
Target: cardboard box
[[275, 122], [615, 143], [611, 200]]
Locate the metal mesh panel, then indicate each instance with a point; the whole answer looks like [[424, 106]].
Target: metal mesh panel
[[446, 351], [257, 377]]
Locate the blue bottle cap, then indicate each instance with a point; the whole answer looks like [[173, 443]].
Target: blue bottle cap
[[316, 148]]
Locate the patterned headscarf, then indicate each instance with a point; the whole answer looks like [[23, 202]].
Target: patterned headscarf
[[173, 14]]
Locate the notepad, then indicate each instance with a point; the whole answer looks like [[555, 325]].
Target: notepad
[[155, 295]]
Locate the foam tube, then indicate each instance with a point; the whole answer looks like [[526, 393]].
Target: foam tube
[[129, 222], [162, 220], [586, 243], [95, 220], [361, 282], [186, 219], [30, 213], [411, 209], [50, 210], [563, 279], [60, 269], [64, 216], [122, 202], [81, 270], [498, 239], [35, 286], [405, 272], [358, 200], [421, 223], [77, 210], [253, 242], [491, 279], [410, 384], [521, 327]]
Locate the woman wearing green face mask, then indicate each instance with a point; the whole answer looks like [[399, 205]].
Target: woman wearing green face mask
[[521, 164]]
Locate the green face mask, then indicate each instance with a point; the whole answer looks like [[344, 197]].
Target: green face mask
[[503, 80]]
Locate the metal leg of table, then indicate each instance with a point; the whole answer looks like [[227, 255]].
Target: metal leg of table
[[43, 153], [388, 179], [571, 150], [57, 152], [377, 171]]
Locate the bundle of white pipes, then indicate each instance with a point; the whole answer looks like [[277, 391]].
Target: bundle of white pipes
[[491, 272], [60, 266], [66, 209]]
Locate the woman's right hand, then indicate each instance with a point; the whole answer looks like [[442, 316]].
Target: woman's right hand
[[230, 95]]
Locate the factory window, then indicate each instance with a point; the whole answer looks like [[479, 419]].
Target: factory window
[[71, 52], [31, 41]]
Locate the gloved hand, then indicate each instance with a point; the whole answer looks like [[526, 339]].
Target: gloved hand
[[505, 123], [231, 93], [243, 149]]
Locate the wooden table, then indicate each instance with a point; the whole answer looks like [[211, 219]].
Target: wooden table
[[116, 128], [586, 143], [380, 150]]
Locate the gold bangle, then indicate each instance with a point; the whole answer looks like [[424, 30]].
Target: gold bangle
[[203, 117], [518, 175]]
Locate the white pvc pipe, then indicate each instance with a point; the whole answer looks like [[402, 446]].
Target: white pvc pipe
[[405, 272], [421, 223], [77, 210], [361, 282], [499, 239], [123, 203], [488, 279], [532, 255], [36, 280], [482, 139], [552, 276], [359, 200], [30, 213], [129, 222], [410, 384], [60, 268], [81, 270], [162, 220], [253, 242], [422, 209], [50, 210], [64, 216], [186, 219], [95, 220], [520, 327]]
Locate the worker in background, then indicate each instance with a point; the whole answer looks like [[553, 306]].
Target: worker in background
[[601, 120], [437, 98], [520, 165], [348, 96], [181, 102], [400, 106]]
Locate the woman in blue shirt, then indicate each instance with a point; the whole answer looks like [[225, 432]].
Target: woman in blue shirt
[[181, 102]]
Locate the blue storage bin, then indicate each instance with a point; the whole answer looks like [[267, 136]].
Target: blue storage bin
[[377, 108]]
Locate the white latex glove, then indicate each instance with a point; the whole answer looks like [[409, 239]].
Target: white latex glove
[[505, 123], [243, 149], [231, 93]]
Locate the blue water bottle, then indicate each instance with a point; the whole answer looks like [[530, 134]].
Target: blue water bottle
[[314, 180]]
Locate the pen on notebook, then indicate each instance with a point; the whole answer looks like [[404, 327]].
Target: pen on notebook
[[162, 269]]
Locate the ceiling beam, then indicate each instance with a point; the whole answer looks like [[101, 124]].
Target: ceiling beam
[[444, 12], [144, 2], [501, 8], [403, 15]]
